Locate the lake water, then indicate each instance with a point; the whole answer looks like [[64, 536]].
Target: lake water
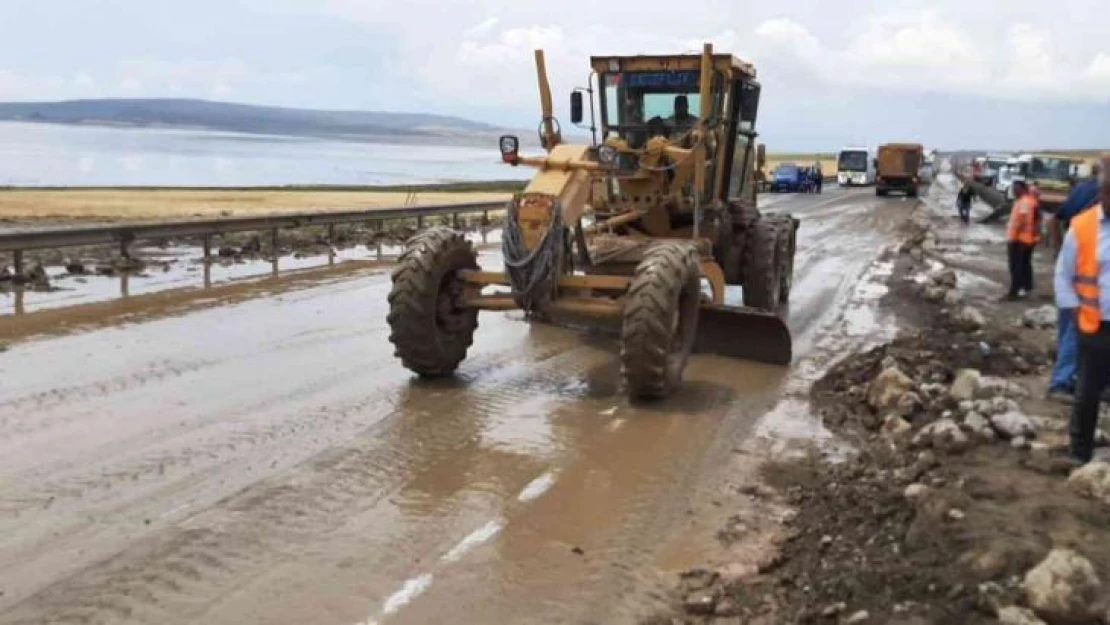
[[53, 155]]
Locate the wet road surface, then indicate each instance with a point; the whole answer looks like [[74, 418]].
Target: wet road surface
[[269, 461]]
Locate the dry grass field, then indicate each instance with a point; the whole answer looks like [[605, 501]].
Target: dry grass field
[[143, 204]]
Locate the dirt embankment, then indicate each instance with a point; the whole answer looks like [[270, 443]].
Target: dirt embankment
[[956, 506]]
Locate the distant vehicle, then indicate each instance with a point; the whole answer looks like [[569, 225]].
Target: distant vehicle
[[788, 177], [987, 168], [1053, 174], [855, 166], [898, 167], [928, 170], [1006, 176]]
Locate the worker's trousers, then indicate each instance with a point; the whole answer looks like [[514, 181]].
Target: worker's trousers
[[1067, 352], [1021, 267], [1094, 375]]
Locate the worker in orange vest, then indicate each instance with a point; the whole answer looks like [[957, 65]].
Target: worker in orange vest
[[1083, 266], [1022, 235]]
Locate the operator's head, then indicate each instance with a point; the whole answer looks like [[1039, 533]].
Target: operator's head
[[1020, 188], [681, 106]]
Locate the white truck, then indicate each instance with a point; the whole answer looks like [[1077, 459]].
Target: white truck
[[855, 166]]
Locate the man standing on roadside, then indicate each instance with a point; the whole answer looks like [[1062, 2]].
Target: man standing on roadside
[[963, 202], [1061, 385], [1084, 266], [1021, 237]]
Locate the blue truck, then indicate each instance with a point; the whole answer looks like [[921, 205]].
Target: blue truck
[[788, 177]]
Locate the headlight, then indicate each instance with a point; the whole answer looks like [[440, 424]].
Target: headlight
[[510, 146], [607, 155]]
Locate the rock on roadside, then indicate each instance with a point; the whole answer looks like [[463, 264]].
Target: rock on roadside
[[966, 384], [1092, 480], [1012, 424], [1013, 615], [971, 317], [942, 435], [1063, 587], [1043, 317], [887, 388]]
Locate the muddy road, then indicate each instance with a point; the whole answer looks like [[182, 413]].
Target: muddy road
[[267, 460]]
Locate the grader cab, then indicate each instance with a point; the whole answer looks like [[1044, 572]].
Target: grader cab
[[641, 231]]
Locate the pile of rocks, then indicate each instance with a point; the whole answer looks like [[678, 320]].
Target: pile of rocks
[[973, 409]]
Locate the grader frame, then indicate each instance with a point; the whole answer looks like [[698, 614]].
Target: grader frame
[[651, 212]]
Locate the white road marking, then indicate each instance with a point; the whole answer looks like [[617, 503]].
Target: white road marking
[[615, 425], [475, 538], [409, 591], [609, 412], [537, 487]]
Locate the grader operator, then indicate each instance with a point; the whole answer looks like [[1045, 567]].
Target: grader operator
[[642, 231]]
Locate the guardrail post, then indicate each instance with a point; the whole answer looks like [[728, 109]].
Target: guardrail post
[[331, 244], [125, 247], [455, 221], [419, 222], [17, 262], [207, 248], [274, 251], [485, 226]]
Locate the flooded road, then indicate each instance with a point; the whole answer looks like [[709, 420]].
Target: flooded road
[[267, 460]]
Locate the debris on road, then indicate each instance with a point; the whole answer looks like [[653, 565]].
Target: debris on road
[[949, 511]]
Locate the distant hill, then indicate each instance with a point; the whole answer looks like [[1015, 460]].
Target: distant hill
[[270, 120]]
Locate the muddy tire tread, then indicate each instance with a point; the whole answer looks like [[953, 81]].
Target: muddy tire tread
[[761, 269], [413, 301], [646, 333]]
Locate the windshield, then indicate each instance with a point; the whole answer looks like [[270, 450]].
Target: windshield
[[786, 170], [1047, 168], [642, 104], [855, 160]]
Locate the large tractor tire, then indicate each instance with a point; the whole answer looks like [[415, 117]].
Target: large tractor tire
[[660, 320], [787, 239], [762, 282], [429, 330]]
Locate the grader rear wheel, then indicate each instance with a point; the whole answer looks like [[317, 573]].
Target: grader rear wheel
[[787, 237], [762, 284], [660, 320], [429, 330]]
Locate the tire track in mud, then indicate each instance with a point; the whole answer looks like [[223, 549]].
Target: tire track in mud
[[164, 579]]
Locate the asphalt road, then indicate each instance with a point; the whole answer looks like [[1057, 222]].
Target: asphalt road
[[265, 459]]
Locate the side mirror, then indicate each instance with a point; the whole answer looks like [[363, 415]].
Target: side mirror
[[576, 107]]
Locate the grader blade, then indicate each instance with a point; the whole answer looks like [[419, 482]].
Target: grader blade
[[745, 333]]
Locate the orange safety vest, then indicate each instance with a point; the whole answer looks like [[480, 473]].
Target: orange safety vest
[[1084, 227], [1023, 221]]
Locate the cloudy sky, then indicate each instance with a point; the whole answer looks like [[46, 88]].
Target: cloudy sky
[[949, 73]]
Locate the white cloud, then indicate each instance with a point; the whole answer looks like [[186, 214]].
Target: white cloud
[[924, 51]]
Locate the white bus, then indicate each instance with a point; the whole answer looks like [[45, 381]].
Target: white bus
[[855, 166]]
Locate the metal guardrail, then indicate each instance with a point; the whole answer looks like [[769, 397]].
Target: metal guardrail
[[124, 234]]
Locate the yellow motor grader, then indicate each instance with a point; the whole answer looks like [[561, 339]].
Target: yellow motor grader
[[643, 229]]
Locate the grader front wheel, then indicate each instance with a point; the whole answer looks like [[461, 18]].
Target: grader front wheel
[[660, 320], [430, 331]]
